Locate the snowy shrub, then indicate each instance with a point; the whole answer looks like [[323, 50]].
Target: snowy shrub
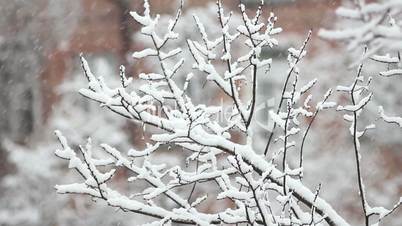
[[245, 183]]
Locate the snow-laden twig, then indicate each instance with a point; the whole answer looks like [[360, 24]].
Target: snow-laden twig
[[294, 59], [389, 119]]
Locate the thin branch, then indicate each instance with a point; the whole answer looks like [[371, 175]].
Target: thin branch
[[284, 87]]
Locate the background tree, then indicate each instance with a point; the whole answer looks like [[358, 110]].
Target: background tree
[[372, 24], [27, 195]]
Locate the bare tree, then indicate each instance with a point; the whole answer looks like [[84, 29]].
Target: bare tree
[[262, 189]]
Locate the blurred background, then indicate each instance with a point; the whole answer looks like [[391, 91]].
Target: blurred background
[[40, 75]]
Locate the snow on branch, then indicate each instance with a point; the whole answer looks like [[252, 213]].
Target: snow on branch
[[389, 119], [216, 165], [379, 25], [356, 92], [375, 25]]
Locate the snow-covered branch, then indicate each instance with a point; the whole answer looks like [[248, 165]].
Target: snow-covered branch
[[259, 192], [372, 24]]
